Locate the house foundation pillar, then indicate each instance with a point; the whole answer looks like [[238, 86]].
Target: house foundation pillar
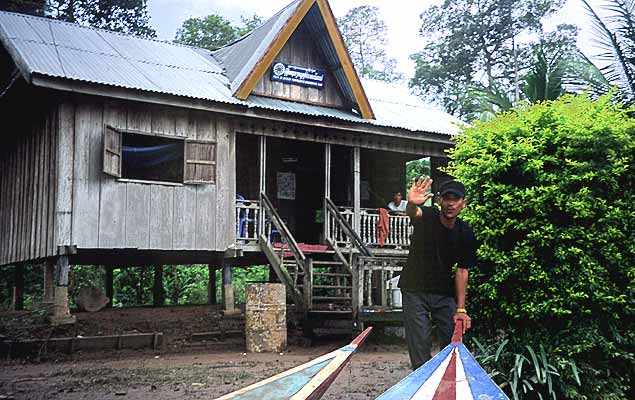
[[61, 311], [228, 291]]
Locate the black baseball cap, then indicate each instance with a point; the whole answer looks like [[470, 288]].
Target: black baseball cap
[[454, 187]]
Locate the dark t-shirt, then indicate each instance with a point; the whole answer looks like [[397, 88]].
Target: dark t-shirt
[[434, 250]]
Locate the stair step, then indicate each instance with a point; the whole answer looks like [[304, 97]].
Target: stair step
[[332, 274], [331, 298], [331, 287], [318, 262]]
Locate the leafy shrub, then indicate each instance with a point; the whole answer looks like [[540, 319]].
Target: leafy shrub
[[552, 192]]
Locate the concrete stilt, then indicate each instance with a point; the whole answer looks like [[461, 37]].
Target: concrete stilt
[[228, 291], [61, 312]]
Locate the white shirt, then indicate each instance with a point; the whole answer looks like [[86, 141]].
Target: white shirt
[[401, 207]]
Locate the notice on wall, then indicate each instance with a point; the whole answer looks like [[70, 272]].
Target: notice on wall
[[297, 75], [286, 185]]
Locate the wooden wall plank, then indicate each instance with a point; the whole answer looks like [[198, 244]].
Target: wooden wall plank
[[206, 218], [112, 221], [52, 178], [86, 181], [137, 215], [161, 216], [185, 125], [64, 176], [301, 50], [185, 219], [225, 185]]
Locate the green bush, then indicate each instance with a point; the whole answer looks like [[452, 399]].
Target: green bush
[[551, 188]]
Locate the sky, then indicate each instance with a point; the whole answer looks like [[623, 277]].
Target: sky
[[401, 17]]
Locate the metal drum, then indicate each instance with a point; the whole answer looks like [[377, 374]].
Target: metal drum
[[266, 318]]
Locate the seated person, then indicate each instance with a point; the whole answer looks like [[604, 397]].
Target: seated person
[[397, 206]]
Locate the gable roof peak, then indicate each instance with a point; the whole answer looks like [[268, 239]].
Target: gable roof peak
[[247, 59]]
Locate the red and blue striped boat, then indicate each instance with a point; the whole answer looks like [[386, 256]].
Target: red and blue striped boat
[[453, 374], [308, 381]]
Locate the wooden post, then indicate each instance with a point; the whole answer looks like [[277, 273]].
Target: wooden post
[[357, 189], [211, 284], [327, 186], [228, 291], [158, 293], [262, 187], [61, 312], [109, 283], [17, 303], [308, 285]]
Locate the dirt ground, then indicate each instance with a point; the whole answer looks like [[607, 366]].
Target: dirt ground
[[182, 369], [202, 374]]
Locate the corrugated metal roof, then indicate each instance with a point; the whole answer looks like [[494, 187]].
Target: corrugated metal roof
[[240, 57], [63, 50]]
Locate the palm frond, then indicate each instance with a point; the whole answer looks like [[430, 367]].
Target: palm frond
[[614, 35]]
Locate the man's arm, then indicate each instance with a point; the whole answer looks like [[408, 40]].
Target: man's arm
[[460, 285], [417, 195]]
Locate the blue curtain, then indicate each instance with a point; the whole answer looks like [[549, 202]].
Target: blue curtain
[[150, 156]]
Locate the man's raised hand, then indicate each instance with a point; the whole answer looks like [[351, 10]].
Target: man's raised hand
[[418, 193]]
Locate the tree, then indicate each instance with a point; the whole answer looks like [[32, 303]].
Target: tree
[[554, 66], [365, 35], [33, 7], [129, 16], [551, 191], [473, 43], [614, 30], [214, 31]]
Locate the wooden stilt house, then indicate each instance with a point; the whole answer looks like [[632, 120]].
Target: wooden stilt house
[[119, 150]]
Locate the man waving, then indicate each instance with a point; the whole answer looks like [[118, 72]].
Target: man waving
[[440, 242]]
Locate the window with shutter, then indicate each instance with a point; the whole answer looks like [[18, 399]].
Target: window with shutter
[[200, 162], [112, 151]]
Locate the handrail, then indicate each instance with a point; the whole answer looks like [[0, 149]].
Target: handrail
[[347, 228], [284, 231]]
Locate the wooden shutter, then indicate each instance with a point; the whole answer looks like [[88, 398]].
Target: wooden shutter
[[200, 162], [112, 151]]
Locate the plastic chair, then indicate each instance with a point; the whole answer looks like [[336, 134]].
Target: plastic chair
[[243, 221]]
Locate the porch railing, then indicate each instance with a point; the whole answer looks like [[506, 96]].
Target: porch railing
[[398, 234], [247, 221], [347, 237], [373, 286]]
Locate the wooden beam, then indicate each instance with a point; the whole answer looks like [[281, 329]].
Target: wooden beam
[[356, 189], [327, 185], [345, 59], [247, 86]]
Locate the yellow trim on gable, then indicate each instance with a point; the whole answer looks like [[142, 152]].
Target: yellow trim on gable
[[278, 43], [248, 85], [345, 60]]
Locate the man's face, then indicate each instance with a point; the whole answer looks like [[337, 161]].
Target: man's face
[[452, 205], [397, 198]]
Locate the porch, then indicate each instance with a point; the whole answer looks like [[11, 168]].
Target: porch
[[312, 211]]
